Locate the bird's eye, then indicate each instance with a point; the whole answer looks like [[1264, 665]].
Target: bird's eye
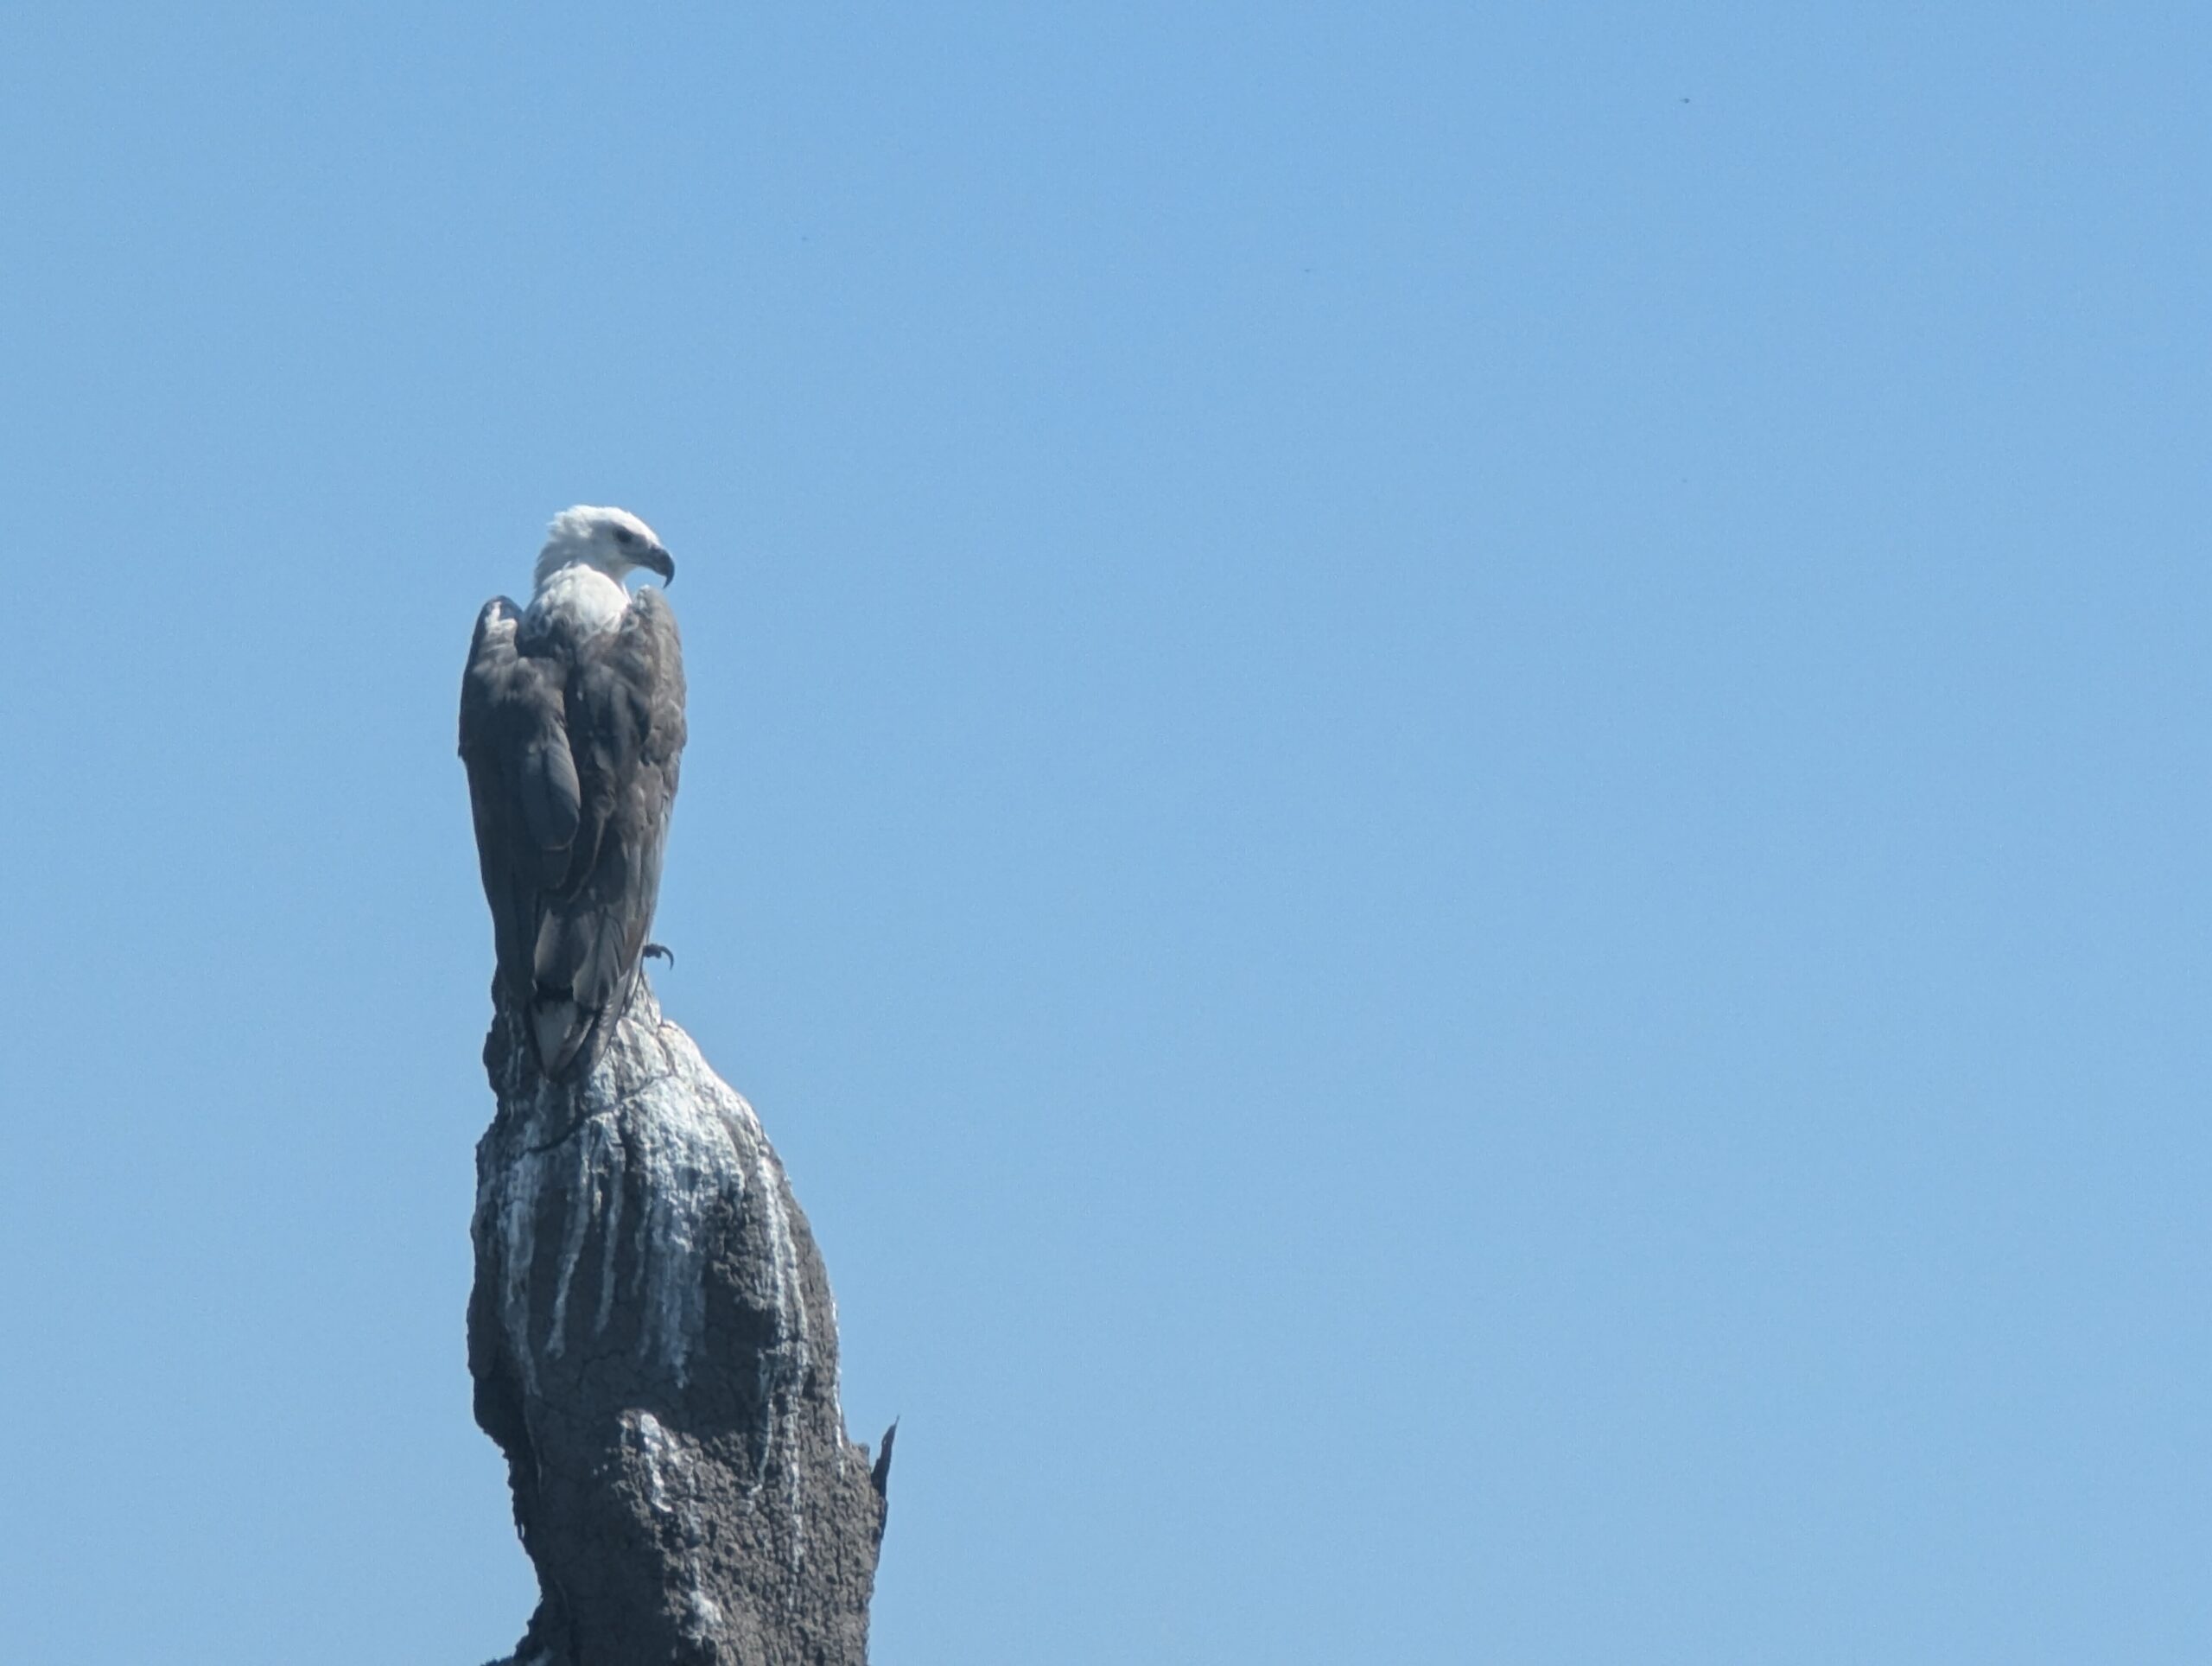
[[624, 535]]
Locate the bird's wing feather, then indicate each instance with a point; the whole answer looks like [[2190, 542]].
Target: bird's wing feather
[[515, 747], [624, 702], [552, 797]]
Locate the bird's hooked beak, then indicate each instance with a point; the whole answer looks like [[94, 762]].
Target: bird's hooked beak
[[658, 560]]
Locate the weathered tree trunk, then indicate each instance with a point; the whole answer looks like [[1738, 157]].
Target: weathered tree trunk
[[655, 1350]]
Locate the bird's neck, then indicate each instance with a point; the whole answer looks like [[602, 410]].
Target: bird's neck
[[580, 599]]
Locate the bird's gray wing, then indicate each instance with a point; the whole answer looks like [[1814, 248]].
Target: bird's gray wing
[[624, 707], [523, 786]]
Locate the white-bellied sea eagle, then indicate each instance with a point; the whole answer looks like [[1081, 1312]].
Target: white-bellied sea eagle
[[571, 728]]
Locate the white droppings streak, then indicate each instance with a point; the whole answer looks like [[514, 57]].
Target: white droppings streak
[[618, 1169], [586, 1198], [653, 1440], [518, 1224], [670, 1489]]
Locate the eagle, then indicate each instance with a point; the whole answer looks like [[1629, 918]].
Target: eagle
[[571, 730]]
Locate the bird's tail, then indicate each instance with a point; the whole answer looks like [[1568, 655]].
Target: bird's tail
[[560, 1029]]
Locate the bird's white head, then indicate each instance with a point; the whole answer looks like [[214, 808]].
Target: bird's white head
[[610, 541]]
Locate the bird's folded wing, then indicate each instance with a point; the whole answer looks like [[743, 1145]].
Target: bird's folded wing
[[624, 707]]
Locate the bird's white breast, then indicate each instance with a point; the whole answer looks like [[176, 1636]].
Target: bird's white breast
[[580, 600]]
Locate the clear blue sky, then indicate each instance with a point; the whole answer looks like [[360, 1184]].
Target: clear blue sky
[[1448, 788]]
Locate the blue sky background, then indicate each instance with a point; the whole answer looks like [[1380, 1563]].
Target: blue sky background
[[1448, 789]]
